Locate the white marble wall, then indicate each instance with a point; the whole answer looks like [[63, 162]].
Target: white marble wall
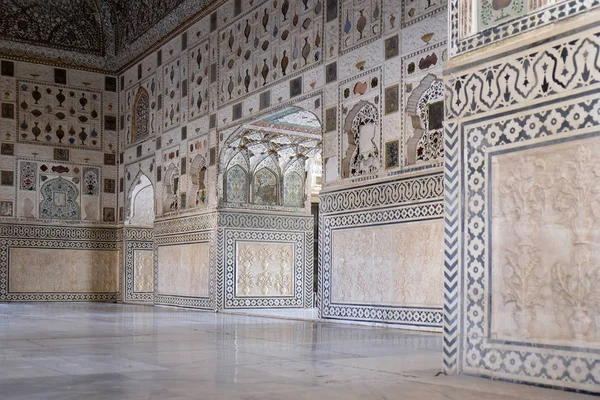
[[522, 167]]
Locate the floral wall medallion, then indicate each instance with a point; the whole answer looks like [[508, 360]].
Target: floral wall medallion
[[28, 175], [108, 214], [7, 149], [391, 47], [296, 87], [331, 72]]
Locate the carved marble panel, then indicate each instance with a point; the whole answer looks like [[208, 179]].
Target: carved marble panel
[[377, 265], [143, 271], [63, 270], [545, 204], [183, 269], [264, 269]]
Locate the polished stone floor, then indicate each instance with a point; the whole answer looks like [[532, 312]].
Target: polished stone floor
[[108, 351]]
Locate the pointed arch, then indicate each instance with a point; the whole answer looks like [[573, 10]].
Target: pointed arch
[[361, 127], [171, 189], [426, 101], [198, 174], [140, 201]]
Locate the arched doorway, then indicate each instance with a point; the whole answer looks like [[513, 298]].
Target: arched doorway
[[137, 241], [271, 168]]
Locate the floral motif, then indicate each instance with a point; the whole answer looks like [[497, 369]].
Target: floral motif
[[578, 201]]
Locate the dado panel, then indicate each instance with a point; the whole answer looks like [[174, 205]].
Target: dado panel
[[62, 270], [183, 270], [375, 265]]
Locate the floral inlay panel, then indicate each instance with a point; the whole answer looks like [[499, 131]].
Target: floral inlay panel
[[398, 264], [59, 115], [264, 269], [545, 235]]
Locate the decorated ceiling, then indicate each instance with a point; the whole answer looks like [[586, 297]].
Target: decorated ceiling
[[91, 33]]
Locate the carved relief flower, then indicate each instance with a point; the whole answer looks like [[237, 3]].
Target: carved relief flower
[[475, 269], [473, 358], [476, 292], [493, 134], [476, 160], [512, 130], [492, 360], [533, 365], [475, 138], [476, 226], [578, 370], [476, 181], [513, 362], [555, 367], [554, 120], [475, 247], [476, 314], [476, 204], [576, 116], [532, 126]]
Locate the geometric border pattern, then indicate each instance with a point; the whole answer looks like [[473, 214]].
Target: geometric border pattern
[[420, 188]]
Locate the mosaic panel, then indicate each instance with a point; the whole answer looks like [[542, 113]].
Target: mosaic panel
[[199, 80], [401, 203], [62, 271], [27, 175], [60, 200], [269, 42], [373, 265], [360, 23], [53, 114]]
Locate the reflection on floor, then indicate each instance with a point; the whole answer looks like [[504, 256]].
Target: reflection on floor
[[305, 314], [109, 351]]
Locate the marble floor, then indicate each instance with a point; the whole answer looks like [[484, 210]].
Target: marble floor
[[108, 351]]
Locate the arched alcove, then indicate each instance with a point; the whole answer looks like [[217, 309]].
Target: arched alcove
[[362, 141], [171, 189], [198, 178], [140, 202], [425, 112], [260, 157]]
